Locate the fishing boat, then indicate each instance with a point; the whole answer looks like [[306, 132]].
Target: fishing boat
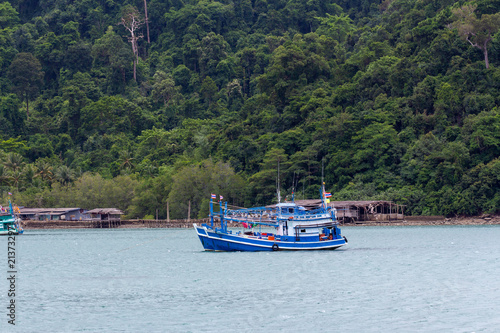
[[295, 226], [9, 223]]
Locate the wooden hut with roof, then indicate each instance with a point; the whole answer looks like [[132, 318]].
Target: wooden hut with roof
[[105, 214], [371, 210]]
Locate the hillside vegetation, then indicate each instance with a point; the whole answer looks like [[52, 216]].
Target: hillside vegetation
[[395, 100]]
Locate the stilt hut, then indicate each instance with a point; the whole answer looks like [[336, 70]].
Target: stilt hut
[[105, 214], [373, 210]]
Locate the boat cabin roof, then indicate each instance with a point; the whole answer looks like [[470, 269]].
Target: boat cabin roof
[[286, 204]]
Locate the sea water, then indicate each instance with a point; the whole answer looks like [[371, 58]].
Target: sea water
[[387, 279]]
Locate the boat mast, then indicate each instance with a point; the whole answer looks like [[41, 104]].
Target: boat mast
[[223, 223], [211, 213], [323, 199], [11, 209], [278, 183]]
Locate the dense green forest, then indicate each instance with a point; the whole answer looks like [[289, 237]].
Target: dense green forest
[[130, 104]]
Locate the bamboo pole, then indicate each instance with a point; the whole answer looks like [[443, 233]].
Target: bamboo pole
[[168, 212], [189, 210]]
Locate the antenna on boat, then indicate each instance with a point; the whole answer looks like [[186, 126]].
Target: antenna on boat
[[322, 171], [278, 183]]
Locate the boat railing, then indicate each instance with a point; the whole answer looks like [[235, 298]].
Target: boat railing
[[318, 225], [316, 211]]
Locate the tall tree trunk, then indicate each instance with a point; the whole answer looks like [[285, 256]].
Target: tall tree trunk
[[146, 17], [135, 70], [485, 51], [27, 108]]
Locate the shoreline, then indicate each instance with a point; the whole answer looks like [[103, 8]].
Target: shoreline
[[139, 224]]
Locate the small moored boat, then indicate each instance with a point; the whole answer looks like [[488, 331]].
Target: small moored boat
[[9, 224], [296, 228]]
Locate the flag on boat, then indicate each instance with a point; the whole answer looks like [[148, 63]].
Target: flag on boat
[[221, 197], [214, 196], [244, 225], [328, 194]]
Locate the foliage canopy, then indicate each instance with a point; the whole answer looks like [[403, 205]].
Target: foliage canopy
[[388, 101]]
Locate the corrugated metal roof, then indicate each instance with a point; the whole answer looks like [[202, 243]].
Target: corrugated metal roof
[[113, 211], [51, 211]]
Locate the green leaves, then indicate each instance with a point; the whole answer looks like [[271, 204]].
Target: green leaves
[[195, 184], [25, 73], [478, 32], [395, 104]]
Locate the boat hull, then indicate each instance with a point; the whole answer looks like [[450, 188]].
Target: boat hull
[[218, 241], [6, 233]]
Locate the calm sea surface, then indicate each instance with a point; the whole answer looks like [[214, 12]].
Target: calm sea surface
[[388, 279]]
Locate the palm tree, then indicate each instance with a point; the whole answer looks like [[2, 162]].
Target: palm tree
[[64, 174], [16, 178], [14, 161], [44, 171], [126, 157], [29, 172], [4, 177], [149, 170]]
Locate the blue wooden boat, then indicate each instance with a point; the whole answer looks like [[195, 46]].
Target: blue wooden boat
[[296, 227]]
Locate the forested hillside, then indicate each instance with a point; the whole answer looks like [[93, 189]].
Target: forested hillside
[[131, 104]]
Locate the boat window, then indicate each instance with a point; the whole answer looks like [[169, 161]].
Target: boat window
[[302, 230], [290, 210]]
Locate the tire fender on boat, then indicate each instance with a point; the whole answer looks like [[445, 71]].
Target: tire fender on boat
[[275, 247], [345, 239]]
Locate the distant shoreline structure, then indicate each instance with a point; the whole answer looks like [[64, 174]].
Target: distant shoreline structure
[[184, 223]]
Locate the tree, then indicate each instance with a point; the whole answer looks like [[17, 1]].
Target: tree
[[146, 19], [64, 175], [208, 90], [212, 50], [195, 183], [111, 54], [126, 159], [131, 20], [164, 88], [44, 170], [477, 31], [11, 118], [338, 26], [14, 162], [25, 73], [263, 184], [8, 15]]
